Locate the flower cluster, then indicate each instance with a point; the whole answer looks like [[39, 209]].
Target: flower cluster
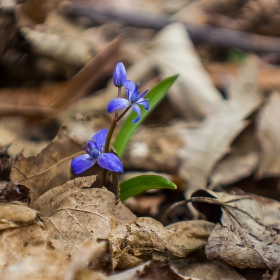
[[96, 148], [134, 98]]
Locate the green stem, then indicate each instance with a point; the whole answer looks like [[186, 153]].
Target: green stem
[[108, 139]]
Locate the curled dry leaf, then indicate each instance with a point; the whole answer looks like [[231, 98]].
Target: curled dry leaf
[[247, 233], [48, 100], [18, 244], [48, 169], [147, 238], [153, 270], [88, 212], [268, 134], [13, 215], [193, 95], [208, 142]]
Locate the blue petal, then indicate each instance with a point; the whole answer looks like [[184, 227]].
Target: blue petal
[[129, 86], [81, 163], [134, 96], [117, 103], [141, 95], [91, 145], [119, 75], [144, 102], [136, 109], [111, 162], [100, 138]]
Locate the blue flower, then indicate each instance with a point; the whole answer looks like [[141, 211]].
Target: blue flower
[[94, 149], [119, 75], [134, 99]]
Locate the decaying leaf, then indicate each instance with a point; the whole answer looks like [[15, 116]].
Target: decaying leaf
[[88, 212], [208, 142], [193, 95], [13, 215], [48, 169], [153, 270], [18, 244], [198, 266], [268, 133], [241, 161], [48, 100], [247, 233], [147, 238]]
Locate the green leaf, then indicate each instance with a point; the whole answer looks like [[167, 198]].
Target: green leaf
[[139, 184], [155, 95]]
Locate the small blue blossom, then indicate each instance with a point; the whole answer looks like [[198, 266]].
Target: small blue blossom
[[119, 75], [94, 149], [134, 100]]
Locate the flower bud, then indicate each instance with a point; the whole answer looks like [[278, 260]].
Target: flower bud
[[119, 75]]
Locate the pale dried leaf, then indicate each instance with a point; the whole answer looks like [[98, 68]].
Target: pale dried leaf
[[240, 162], [13, 215], [268, 134], [8, 5], [49, 265], [193, 94], [247, 234], [71, 51], [208, 142], [147, 238], [48, 169], [18, 244]]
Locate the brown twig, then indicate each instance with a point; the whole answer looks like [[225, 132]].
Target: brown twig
[[219, 36]]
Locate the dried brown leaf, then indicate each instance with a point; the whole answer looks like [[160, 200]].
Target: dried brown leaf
[[50, 201], [208, 142], [47, 100], [247, 233], [198, 266], [48, 169], [88, 212], [193, 94], [13, 215], [240, 162], [268, 134], [147, 238]]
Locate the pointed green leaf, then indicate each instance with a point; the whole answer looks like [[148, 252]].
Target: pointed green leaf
[[155, 95], [139, 184]]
